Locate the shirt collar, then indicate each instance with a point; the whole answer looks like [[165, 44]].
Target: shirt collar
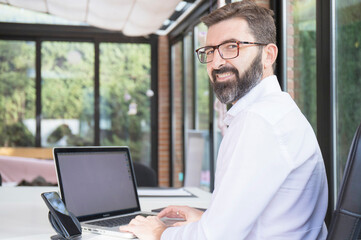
[[266, 86]]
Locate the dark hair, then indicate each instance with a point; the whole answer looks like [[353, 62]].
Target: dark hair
[[260, 20]]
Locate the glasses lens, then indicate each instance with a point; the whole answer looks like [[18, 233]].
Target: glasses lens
[[205, 54], [229, 50]]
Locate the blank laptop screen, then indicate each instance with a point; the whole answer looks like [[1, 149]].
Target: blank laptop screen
[[96, 182]]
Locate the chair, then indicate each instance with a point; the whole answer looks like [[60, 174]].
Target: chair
[[144, 175], [346, 218]]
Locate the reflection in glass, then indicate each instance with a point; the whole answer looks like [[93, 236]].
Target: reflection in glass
[[348, 78], [125, 98], [301, 56], [17, 93], [202, 105], [189, 81], [67, 94]]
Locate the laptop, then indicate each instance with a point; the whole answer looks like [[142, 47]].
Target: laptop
[[97, 184]]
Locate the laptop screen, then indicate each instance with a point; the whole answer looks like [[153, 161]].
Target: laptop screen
[[96, 182]]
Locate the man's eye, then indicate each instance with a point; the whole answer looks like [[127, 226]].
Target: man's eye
[[209, 52], [231, 46]]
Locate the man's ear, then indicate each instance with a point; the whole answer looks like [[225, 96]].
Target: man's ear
[[269, 55]]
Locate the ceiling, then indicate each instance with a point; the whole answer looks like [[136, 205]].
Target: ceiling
[[131, 17]]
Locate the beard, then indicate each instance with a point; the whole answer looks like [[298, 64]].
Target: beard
[[235, 89]]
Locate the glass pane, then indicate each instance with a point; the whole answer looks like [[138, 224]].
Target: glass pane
[[301, 56], [348, 78], [17, 93], [67, 94], [188, 69], [202, 106], [125, 98], [177, 97]]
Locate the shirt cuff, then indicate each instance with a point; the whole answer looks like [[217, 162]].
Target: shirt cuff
[[169, 233]]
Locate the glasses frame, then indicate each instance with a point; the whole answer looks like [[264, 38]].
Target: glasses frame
[[217, 48]]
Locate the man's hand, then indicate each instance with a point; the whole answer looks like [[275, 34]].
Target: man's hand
[[187, 213], [149, 228]]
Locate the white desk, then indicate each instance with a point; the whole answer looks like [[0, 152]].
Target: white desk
[[24, 215]]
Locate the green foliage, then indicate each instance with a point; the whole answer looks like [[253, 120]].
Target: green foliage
[[348, 84], [125, 71], [60, 132], [17, 91], [305, 92], [67, 92], [67, 74], [17, 134], [202, 96], [203, 85]]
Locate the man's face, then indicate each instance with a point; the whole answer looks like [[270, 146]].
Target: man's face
[[233, 78]]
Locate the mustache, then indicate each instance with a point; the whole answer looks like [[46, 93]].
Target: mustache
[[223, 70]]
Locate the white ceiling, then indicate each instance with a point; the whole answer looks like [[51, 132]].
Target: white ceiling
[[132, 17]]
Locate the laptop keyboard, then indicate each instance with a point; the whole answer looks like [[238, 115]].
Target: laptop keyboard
[[116, 221]]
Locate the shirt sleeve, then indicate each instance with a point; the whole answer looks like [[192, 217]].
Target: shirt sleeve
[[252, 165]]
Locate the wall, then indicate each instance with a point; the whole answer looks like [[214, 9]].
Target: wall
[[163, 112]]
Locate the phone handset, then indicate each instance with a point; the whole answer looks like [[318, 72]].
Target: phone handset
[[59, 229], [63, 221]]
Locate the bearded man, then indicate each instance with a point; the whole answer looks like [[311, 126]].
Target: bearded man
[[270, 180]]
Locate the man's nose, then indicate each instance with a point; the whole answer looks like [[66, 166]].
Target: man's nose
[[217, 61]]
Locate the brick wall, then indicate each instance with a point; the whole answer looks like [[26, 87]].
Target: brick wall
[[177, 68], [163, 111]]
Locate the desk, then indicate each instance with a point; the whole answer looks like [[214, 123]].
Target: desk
[[24, 215]]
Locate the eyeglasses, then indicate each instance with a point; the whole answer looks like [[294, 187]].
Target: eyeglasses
[[227, 50]]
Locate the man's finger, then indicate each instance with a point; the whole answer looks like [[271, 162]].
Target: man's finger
[[139, 217], [170, 212], [126, 228]]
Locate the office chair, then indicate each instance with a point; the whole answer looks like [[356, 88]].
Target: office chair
[[144, 175], [346, 218]]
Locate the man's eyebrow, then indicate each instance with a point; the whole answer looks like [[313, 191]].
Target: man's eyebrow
[[224, 41], [230, 40]]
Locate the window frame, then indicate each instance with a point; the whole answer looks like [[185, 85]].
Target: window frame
[[46, 32]]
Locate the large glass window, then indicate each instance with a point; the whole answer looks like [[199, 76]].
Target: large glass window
[[202, 107], [348, 78], [189, 80], [125, 93], [67, 94], [301, 56], [17, 93]]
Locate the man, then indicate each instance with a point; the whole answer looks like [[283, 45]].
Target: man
[[270, 179]]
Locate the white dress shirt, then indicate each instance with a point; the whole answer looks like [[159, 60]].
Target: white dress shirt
[[270, 180]]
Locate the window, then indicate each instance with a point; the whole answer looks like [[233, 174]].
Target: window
[[67, 92], [17, 93], [348, 79], [93, 87], [202, 106], [189, 80], [125, 95], [301, 56]]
